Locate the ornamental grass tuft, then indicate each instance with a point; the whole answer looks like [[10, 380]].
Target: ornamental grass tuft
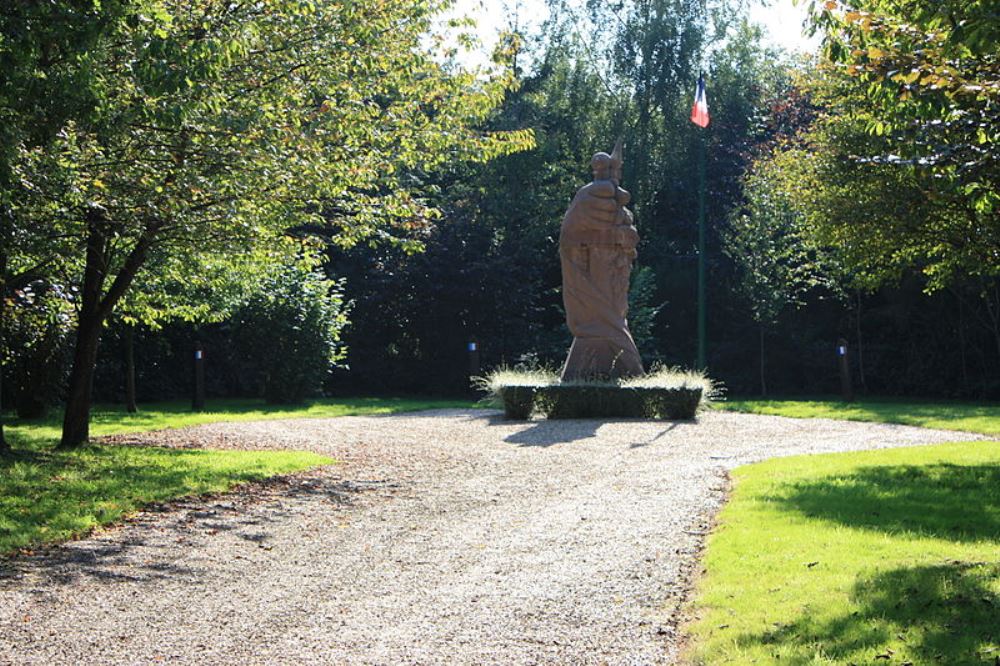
[[663, 393]]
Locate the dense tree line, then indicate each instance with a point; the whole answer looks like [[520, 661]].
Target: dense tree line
[[794, 263], [159, 154], [199, 149]]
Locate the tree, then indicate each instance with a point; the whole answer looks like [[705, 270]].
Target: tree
[[46, 77], [220, 126], [39, 324], [777, 263], [492, 264], [913, 102], [642, 312], [291, 330], [200, 288]]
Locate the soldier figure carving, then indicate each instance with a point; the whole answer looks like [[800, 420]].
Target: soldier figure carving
[[597, 245]]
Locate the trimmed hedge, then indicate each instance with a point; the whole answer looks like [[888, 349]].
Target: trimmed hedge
[[581, 401], [518, 401]]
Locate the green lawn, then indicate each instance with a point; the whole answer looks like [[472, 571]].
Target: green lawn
[[862, 558], [982, 418], [54, 496], [48, 496], [111, 420]]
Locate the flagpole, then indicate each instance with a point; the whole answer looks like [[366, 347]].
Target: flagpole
[[701, 364]]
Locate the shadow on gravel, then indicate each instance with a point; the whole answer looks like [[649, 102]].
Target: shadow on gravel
[[151, 546], [548, 433], [665, 431]]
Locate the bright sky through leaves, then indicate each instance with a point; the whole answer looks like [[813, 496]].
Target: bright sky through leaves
[[781, 20]]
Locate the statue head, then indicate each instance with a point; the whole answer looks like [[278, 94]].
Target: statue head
[[600, 165], [608, 167]]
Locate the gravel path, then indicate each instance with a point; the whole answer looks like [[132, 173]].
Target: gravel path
[[444, 537]]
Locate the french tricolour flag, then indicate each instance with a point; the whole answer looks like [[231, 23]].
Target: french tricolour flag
[[699, 112]]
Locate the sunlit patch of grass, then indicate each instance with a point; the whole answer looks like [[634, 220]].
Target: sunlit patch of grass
[[49, 496], [113, 420], [875, 557], [967, 417]]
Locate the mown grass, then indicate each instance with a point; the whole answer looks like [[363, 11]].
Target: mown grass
[[967, 417], [876, 557], [113, 420], [48, 496], [51, 496]]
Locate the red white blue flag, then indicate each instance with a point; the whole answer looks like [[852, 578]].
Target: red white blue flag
[[699, 112]]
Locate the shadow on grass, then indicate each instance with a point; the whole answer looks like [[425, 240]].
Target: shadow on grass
[[146, 556], [946, 614], [953, 502], [53, 496]]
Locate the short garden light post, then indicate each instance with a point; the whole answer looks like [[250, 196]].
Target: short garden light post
[[472, 347], [198, 399], [846, 390]]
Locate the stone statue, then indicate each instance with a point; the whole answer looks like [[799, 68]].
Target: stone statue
[[597, 244]]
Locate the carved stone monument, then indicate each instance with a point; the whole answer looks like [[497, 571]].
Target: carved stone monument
[[597, 244]]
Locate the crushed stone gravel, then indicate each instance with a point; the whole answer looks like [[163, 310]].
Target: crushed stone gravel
[[449, 536]]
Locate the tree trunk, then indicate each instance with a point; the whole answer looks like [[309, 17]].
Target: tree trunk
[[763, 382], [130, 405], [961, 346], [76, 421], [95, 307], [861, 353], [993, 310], [4, 446]]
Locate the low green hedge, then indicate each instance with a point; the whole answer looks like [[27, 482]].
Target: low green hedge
[[663, 393], [518, 401], [581, 401]]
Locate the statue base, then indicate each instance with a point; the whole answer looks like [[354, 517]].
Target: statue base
[[601, 358]]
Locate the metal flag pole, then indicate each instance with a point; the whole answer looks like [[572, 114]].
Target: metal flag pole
[[700, 117], [701, 364]]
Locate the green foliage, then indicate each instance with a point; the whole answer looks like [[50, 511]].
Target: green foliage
[[212, 130], [35, 345], [290, 331], [491, 268], [981, 418], [49, 497], [205, 287], [583, 401], [777, 263], [518, 401], [642, 312], [850, 558], [901, 172], [223, 127]]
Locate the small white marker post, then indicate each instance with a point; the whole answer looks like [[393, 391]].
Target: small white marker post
[[198, 398], [473, 349], [846, 389]]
